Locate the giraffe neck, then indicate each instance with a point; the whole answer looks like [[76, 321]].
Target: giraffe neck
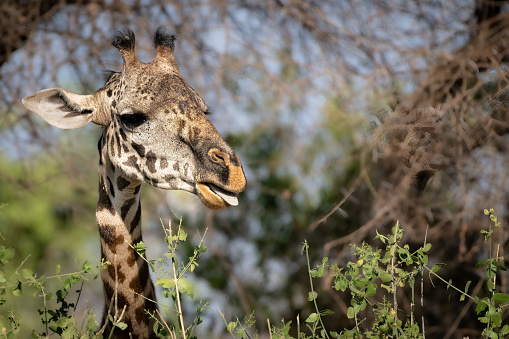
[[126, 281]]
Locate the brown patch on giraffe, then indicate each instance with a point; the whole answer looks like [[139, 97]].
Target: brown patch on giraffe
[[186, 168], [109, 237], [132, 162], [176, 166], [168, 178], [112, 144], [112, 189], [151, 161], [100, 146], [122, 183], [122, 134], [136, 219], [121, 300], [126, 207], [182, 125], [136, 285], [140, 149], [119, 147], [182, 106], [140, 315], [104, 199], [132, 258], [196, 132], [163, 163], [144, 274], [120, 276], [107, 233], [109, 93]]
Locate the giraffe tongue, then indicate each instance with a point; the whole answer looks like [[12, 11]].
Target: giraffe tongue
[[229, 197]]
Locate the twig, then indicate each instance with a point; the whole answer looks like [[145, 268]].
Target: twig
[[270, 331], [165, 324], [463, 311], [495, 275], [181, 316], [222, 316], [422, 287], [312, 289], [394, 285], [298, 325], [324, 218]]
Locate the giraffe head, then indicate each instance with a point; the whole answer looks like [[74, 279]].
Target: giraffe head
[[156, 128]]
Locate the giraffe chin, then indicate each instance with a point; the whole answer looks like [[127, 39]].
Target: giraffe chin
[[215, 197]]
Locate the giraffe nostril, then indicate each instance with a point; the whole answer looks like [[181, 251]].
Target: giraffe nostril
[[218, 156]]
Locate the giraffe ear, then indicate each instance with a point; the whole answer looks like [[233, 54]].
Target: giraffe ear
[[62, 108]]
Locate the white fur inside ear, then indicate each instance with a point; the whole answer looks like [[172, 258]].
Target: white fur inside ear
[[60, 108]]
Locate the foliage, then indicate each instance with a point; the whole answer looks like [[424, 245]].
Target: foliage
[[374, 279]]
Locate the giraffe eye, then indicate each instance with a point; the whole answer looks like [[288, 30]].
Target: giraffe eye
[[133, 120]]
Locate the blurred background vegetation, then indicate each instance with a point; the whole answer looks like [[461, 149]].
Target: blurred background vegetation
[[347, 115]]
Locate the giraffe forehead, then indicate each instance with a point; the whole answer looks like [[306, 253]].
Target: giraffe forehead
[[159, 93]]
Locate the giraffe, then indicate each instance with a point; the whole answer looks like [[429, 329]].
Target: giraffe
[[155, 129]]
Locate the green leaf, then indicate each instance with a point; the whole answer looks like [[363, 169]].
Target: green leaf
[[340, 284], [448, 289], [304, 248], [62, 322], [320, 272], [140, 247], [326, 312], [27, 274], [312, 318], [87, 266], [386, 277], [350, 313], [6, 254], [427, 247], [504, 331], [186, 286], [466, 290], [437, 267], [231, 326], [370, 290], [67, 283], [481, 306], [121, 325], [182, 235], [169, 255], [499, 266], [496, 319], [482, 263], [500, 298], [16, 290], [312, 296], [166, 282]]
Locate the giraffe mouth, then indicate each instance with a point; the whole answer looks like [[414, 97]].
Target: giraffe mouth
[[215, 197], [229, 197]]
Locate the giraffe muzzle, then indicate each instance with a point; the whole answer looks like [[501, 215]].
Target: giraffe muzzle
[[215, 197], [218, 194]]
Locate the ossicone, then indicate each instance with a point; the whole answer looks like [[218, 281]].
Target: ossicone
[[164, 39], [164, 43], [124, 39]]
